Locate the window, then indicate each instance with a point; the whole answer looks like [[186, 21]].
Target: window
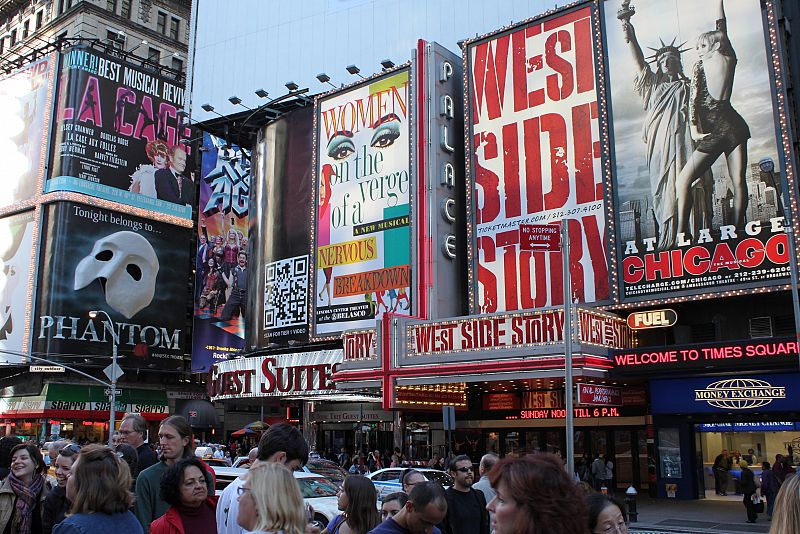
[[115, 39], [2, 43], [26, 29], [125, 9], [177, 64], [153, 54], [111, 5], [161, 23], [39, 19], [174, 27], [13, 37]]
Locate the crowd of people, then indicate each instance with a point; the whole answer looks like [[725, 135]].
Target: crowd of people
[[134, 489]]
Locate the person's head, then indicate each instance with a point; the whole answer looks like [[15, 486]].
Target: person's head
[[177, 159], [116, 438], [743, 464], [158, 153], [778, 458], [393, 503], [786, 514], [765, 466], [185, 483], [669, 61], [708, 43], [175, 439], [357, 500], [252, 456], [283, 444], [6, 444], [54, 448], [66, 458], [426, 507], [133, 430], [100, 482], [270, 500], [535, 496], [26, 461], [725, 453], [487, 462], [606, 515], [130, 456], [242, 259], [750, 451], [461, 470], [410, 478]]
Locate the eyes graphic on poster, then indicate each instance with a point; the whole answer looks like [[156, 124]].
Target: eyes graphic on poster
[[127, 266]]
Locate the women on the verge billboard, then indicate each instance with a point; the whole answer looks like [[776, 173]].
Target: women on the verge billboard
[[362, 234], [697, 166], [533, 157]]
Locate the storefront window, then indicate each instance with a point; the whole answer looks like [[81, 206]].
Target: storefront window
[[531, 442], [553, 441], [669, 452], [492, 442], [512, 447], [623, 459]]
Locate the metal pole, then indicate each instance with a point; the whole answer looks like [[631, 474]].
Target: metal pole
[[113, 408], [568, 348]]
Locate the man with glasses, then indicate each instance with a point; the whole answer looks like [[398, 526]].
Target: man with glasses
[[410, 478], [132, 431], [466, 507]]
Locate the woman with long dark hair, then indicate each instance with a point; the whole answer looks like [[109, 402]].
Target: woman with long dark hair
[[357, 501], [23, 492]]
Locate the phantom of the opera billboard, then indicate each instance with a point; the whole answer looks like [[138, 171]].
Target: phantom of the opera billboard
[[699, 198], [118, 135], [283, 177], [16, 244], [221, 260], [533, 155], [362, 237], [25, 107], [132, 269]]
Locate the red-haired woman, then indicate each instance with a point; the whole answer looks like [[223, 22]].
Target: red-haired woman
[[535, 496]]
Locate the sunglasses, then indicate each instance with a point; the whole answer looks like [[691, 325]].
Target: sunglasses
[[464, 470]]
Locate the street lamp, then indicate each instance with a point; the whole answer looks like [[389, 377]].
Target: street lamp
[[112, 411]]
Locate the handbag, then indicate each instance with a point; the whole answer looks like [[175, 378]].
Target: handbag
[[758, 503]]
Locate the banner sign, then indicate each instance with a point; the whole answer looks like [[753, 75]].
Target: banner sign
[[26, 98], [515, 330], [599, 395], [362, 235], [303, 374], [221, 260], [501, 401], [534, 158], [539, 236], [700, 205], [766, 426], [431, 397], [769, 353], [134, 269], [715, 394], [643, 320], [16, 277], [118, 135]]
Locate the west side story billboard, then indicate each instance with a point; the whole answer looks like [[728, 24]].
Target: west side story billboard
[[362, 237], [698, 169], [118, 135], [221, 258], [26, 98], [533, 155], [283, 177], [134, 269]]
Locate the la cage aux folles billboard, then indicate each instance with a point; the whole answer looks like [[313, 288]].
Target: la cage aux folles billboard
[[25, 108], [118, 134], [362, 247], [698, 168], [134, 269], [534, 158], [221, 259]]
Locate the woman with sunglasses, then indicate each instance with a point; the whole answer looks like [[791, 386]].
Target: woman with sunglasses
[[606, 515], [184, 487], [357, 500], [270, 501], [56, 505], [99, 490], [23, 492]]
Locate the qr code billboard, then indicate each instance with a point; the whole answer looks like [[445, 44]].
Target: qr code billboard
[[286, 293]]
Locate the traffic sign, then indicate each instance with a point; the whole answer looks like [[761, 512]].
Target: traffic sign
[[539, 237], [116, 370], [47, 369], [107, 391]]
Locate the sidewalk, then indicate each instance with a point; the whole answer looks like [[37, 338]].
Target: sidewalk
[[706, 516]]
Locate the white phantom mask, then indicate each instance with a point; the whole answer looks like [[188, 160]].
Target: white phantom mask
[[126, 265]]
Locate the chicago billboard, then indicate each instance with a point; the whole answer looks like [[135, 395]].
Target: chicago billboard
[[699, 203], [16, 273], [134, 269], [221, 259], [26, 100], [533, 156], [362, 237], [283, 177], [118, 135]]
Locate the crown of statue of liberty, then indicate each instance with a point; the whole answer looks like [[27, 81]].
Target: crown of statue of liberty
[[665, 49]]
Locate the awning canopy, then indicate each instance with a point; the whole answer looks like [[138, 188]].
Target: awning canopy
[[69, 401]]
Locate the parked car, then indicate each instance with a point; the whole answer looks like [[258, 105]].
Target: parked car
[[221, 462], [388, 480], [241, 461], [317, 491], [327, 469]]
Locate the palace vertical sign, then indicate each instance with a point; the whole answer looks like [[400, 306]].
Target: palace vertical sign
[[534, 158]]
